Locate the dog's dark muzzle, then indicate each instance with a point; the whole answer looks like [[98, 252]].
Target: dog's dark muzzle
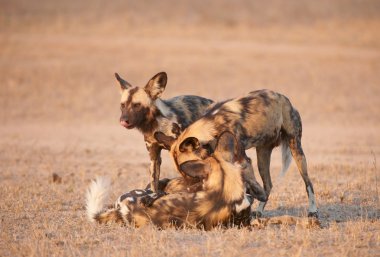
[[125, 123]]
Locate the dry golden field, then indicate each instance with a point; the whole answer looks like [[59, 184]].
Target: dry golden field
[[59, 111]]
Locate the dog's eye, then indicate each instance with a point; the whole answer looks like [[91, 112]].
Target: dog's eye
[[122, 105], [136, 105]]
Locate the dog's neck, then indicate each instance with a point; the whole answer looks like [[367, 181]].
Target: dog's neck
[[156, 121], [227, 180], [150, 124], [161, 118]]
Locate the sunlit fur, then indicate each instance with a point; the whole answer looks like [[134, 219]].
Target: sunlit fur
[[142, 108], [262, 119], [255, 123], [140, 96], [215, 202]]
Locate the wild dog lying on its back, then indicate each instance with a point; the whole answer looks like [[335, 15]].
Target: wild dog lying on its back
[[142, 108], [221, 198], [262, 119]]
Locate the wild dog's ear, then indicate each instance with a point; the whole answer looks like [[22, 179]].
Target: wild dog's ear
[[195, 169], [229, 148], [161, 138], [176, 129], [156, 85], [123, 84], [189, 144]]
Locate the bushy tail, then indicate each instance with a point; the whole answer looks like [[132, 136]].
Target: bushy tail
[[286, 157], [96, 197]]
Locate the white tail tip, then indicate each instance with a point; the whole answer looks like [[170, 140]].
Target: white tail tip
[[96, 196], [286, 157]]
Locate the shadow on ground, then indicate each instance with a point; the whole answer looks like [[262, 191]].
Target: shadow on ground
[[332, 212]]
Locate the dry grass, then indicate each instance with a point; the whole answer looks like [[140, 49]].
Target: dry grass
[[59, 113]]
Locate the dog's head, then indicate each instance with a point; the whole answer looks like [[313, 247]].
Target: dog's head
[[221, 171], [196, 149], [137, 104]]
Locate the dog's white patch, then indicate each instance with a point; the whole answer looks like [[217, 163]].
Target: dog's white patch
[[130, 199], [138, 192], [286, 157], [312, 204], [215, 112], [243, 205], [124, 210], [96, 196]]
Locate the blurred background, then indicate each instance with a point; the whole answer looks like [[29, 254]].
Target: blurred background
[[57, 58]]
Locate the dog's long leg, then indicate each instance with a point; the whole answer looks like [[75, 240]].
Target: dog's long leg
[[263, 163], [155, 163], [293, 136], [300, 159], [255, 189]]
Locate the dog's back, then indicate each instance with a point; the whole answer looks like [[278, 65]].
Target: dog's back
[[263, 119], [188, 108], [259, 118], [177, 114]]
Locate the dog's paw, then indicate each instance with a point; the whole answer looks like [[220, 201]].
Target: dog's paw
[[256, 214], [313, 214]]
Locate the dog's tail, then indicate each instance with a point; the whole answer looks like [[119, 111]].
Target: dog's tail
[[96, 197], [286, 156]]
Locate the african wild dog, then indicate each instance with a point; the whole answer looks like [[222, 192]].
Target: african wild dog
[[262, 119], [221, 198], [142, 108]]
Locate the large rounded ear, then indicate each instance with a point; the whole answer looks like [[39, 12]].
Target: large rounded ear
[[195, 169], [229, 148], [190, 144], [156, 85], [163, 139], [123, 84]]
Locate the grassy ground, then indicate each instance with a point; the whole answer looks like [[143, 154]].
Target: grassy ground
[[59, 112]]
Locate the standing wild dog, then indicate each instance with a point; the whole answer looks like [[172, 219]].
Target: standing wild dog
[[142, 108], [262, 119], [221, 198]]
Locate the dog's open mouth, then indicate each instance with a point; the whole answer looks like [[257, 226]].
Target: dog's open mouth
[[126, 124]]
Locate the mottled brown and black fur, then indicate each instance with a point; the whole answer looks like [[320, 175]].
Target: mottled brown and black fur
[[142, 108], [179, 184], [220, 199], [263, 119]]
